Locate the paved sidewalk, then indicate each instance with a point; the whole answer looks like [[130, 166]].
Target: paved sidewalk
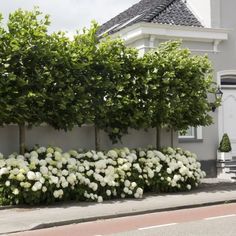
[[212, 191]]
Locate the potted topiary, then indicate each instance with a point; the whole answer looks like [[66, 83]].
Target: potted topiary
[[224, 150]]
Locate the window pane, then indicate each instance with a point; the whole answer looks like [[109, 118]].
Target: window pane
[[189, 133]]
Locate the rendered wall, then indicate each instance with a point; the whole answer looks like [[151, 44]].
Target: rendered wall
[[77, 138]]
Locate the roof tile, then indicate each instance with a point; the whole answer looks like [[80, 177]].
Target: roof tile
[[174, 12]]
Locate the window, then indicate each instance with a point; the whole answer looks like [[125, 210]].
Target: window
[[192, 134], [228, 80]]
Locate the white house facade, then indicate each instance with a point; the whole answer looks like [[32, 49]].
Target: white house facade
[[150, 22]]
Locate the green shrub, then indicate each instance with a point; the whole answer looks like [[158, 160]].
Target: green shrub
[[225, 145], [47, 175]]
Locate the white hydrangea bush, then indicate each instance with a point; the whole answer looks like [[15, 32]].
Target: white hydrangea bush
[[47, 175]]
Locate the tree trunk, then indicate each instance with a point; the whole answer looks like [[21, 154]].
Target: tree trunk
[[158, 139], [22, 138], [172, 138], [97, 138]]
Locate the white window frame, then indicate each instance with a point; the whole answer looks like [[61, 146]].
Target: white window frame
[[196, 137]]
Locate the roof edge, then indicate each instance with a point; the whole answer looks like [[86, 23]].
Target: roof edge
[[142, 30]]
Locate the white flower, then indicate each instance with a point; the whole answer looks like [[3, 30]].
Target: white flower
[[125, 167], [4, 171], [112, 154], [126, 190], [44, 170], [54, 179], [122, 154], [20, 177], [59, 165], [150, 174], [126, 150], [42, 180], [16, 191], [34, 154], [7, 183], [50, 150], [71, 178], [2, 163], [89, 154], [81, 169], [130, 192], [127, 183], [133, 185], [56, 194], [93, 186], [42, 162], [150, 154], [41, 150], [37, 186], [176, 178], [142, 154], [15, 171], [161, 156], [65, 172], [44, 189], [64, 184], [58, 149], [73, 153], [108, 192], [54, 171], [72, 161], [38, 175], [168, 179], [139, 191], [189, 187], [31, 175], [120, 161], [100, 199]]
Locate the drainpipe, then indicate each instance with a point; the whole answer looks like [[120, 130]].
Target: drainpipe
[[215, 45]]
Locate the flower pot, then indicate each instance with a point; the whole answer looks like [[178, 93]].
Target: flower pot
[[224, 156]]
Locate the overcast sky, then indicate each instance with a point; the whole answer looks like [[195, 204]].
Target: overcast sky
[[69, 15]]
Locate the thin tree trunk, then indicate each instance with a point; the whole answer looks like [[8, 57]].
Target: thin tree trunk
[[172, 137], [97, 138], [22, 138], [158, 139]]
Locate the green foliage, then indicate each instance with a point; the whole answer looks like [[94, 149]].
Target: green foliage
[[49, 78], [225, 145], [177, 87], [24, 57], [119, 71], [47, 175]]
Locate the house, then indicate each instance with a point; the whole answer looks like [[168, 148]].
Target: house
[[150, 22], [144, 26]]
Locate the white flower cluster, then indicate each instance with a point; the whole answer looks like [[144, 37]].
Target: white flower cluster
[[48, 174]]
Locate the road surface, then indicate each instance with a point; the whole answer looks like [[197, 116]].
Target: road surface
[[219, 220]]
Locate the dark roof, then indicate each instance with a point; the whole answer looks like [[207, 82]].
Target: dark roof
[[174, 12]]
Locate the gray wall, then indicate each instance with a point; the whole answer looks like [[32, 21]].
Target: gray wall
[[77, 138]]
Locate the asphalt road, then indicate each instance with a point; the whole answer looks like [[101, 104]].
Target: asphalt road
[[217, 220], [212, 227]]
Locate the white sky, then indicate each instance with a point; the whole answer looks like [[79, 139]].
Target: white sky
[[70, 15]]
